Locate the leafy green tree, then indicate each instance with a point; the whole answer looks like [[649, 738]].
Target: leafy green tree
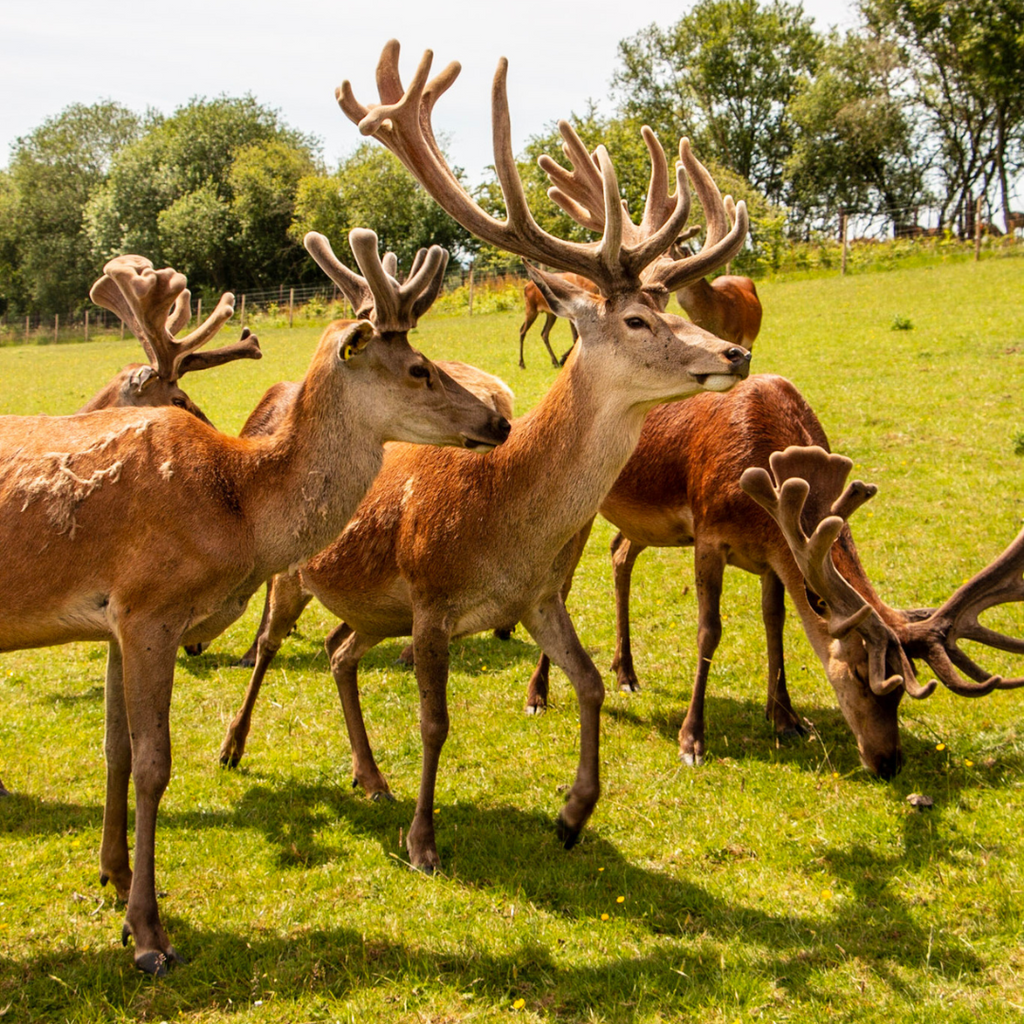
[[371, 189], [859, 143], [724, 75], [967, 57], [214, 158], [52, 173]]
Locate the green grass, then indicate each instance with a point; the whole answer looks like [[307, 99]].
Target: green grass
[[777, 883]]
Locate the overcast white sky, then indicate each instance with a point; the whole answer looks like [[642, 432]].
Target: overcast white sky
[[292, 55]]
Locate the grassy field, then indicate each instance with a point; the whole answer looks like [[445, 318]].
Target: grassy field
[[779, 882]]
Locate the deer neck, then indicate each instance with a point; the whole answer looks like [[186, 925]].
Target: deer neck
[[563, 457], [305, 479]]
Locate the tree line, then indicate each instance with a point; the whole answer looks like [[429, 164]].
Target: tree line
[[920, 106]]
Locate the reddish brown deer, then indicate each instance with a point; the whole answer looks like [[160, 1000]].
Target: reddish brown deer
[[681, 488], [728, 307], [536, 304], [364, 296], [439, 549], [156, 383], [147, 528]]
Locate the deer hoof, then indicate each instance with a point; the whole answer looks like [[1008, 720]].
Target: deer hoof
[[568, 835], [156, 962], [627, 686], [536, 709], [381, 796], [691, 759]]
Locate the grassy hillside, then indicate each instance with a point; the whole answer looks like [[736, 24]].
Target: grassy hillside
[[778, 882]]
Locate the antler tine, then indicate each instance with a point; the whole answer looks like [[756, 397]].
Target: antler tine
[[390, 263], [721, 243], [397, 307], [580, 190], [353, 287], [402, 122], [247, 347], [155, 305], [785, 499], [935, 638]]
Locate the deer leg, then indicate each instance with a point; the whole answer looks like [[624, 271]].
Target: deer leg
[[575, 335], [709, 567], [430, 639], [537, 691], [117, 747], [624, 555], [531, 315], [545, 333], [550, 626], [345, 648], [148, 660], [248, 660], [779, 711], [286, 598]]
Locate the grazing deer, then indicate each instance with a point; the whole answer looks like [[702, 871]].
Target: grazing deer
[[439, 549], [728, 307], [682, 488], [147, 528], [535, 304]]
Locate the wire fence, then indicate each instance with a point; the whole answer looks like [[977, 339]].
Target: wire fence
[[862, 243]]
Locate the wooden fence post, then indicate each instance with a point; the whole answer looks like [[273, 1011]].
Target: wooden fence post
[[291, 305], [843, 226], [27, 328], [199, 312], [56, 327], [471, 266], [243, 310], [87, 325], [977, 228]]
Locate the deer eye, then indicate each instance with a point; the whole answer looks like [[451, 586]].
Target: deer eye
[[420, 371], [636, 322], [179, 402]]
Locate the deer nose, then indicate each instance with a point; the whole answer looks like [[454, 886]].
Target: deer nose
[[737, 355]]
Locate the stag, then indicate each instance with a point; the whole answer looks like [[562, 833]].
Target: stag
[[146, 528], [156, 383], [381, 291], [439, 549], [682, 488]]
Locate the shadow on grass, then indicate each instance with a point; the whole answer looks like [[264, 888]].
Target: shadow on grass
[[514, 856]]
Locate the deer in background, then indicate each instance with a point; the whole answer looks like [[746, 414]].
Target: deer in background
[[147, 528], [440, 549], [536, 304], [682, 487], [156, 383]]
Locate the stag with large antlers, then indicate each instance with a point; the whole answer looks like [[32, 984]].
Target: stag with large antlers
[[440, 549], [147, 528], [681, 488], [156, 383]]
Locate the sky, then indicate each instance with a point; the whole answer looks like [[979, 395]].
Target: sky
[[291, 56]]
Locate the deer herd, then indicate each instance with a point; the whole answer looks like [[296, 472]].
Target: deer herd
[[396, 491]]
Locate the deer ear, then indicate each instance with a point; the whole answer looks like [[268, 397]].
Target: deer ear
[[566, 299], [354, 339]]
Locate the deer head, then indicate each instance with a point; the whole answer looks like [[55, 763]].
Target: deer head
[[392, 310], [618, 263], [873, 649], [155, 305]]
